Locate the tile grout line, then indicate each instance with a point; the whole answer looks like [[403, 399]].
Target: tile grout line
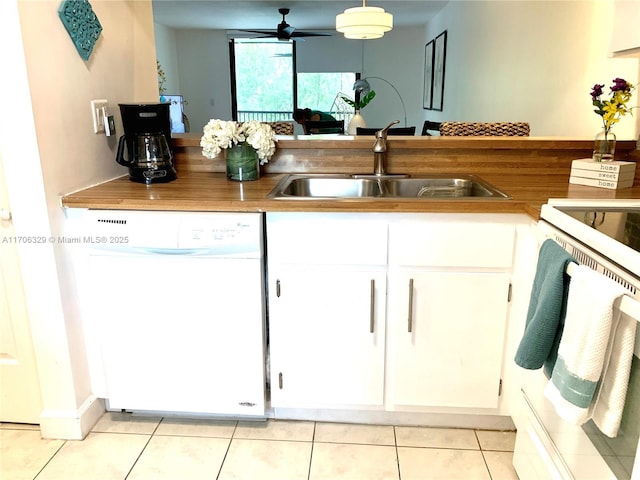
[[143, 448], [313, 444], [50, 458], [224, 459], [484, 459], [395, 443]]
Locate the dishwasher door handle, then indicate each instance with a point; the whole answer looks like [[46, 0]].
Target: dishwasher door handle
[[123, 250], [173, 251]]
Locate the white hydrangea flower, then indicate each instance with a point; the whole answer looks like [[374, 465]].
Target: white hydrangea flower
[[219, 134]]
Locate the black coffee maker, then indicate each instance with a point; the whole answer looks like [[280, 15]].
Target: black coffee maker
[[147, 136]]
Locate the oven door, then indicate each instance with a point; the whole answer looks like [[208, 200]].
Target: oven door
[[548, 447]]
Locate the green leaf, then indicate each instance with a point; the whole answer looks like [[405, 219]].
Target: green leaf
[[364, 101], [349, 101]]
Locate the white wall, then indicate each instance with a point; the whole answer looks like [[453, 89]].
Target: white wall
[[398, 57], [167, 53], [329, 54], [530, 61], [203, 63], [49, 149]]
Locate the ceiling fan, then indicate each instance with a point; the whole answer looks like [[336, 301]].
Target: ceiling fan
[[286, 31]]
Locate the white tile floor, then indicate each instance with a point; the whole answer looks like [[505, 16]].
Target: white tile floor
[[122, 446]]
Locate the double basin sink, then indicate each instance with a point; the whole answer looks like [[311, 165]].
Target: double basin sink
[[321, 186]]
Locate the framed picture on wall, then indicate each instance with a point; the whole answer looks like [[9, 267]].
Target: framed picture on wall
[[439, 60], [428, 75]]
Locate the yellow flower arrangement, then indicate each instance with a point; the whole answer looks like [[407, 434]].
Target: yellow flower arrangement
[[614, 109]]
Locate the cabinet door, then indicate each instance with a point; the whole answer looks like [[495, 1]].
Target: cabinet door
[[327, 335], [447, 335]]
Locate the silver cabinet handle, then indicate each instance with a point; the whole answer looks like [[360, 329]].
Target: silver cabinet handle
[[410, 315], [372, 311]]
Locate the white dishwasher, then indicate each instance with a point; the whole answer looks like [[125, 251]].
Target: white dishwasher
[[174, 310]]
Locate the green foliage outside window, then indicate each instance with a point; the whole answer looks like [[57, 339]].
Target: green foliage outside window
[[264, 76], [264, 79]]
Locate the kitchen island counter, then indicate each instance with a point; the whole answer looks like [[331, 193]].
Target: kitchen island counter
[[529, 170]]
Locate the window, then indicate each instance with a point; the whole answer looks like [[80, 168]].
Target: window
[[322, 91], [265, 85], [262, 74]]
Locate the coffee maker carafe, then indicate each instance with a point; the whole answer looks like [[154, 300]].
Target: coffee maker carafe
[[147, 137]]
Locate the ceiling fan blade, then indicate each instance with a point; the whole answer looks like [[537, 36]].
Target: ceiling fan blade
[[310, 34], [270, 33], [285, 31]]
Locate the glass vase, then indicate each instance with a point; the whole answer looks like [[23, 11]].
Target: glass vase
[[242, 163], [604, 147]]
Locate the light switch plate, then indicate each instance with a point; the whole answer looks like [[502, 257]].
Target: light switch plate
[[98, 114]]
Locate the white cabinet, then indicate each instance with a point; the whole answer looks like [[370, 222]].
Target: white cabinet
[[447, 308], [327, 286], [388, 311], [447, 338], [327, 336]]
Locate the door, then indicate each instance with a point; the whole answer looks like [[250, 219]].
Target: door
[[180, 333], [20, 400], [327, 335], [448, 337]]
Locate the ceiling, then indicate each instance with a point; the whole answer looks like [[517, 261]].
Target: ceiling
[[261, 14]]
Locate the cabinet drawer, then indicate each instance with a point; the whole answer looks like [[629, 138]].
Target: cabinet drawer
[[459, 244], [326, 239]]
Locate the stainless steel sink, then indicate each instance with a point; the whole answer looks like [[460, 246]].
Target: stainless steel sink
[[319, 186], [446, 187], [328, 187]]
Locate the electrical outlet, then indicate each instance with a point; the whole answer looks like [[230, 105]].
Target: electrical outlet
[[98, 109]]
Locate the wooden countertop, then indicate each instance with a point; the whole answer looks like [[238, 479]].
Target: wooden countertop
[[530, 170]]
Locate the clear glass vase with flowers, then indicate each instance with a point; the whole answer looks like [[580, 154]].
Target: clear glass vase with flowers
[[611, 111]]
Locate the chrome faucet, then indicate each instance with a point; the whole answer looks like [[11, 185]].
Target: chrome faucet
[[380, 149]]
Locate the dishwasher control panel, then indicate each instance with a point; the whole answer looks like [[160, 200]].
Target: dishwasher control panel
[[218, 233]]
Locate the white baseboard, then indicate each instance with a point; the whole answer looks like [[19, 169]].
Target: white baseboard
[[72, 424]]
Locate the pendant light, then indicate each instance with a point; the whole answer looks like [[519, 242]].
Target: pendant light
[[364, 22]]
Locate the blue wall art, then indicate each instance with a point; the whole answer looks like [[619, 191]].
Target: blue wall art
[[82, 24]]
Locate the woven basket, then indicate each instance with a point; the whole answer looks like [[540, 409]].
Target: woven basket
[[281, 128], [483, 129]]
